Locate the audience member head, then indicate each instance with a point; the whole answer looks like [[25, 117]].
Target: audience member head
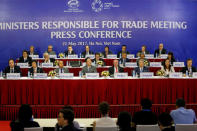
[[124, 120], [180, 103], [146, 103], [164, 121], [104, 108], [25, 113], [65, 117]]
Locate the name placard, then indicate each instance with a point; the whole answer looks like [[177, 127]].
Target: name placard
[[34, 56], [90, 56], [53, 56], [178, 64], [176, 75], [66, 75], [130, 64], [130, 56], [23, 65], [40, 75], [47, 64], [194, 74], [112, 56], [92, 75], [13, 76], [146, 74], [72, 56], [155, 64], [149, 56], [163, 56], [121, 75]]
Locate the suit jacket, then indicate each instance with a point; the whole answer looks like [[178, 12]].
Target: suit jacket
[[66, 53], [120, 53], [184, 69], [16, 70], [33, 53], [51, 53], [39, 70], [85, 70], [162, 52], [94, 61], [104, 54], [139, 52], [52, 60], [121, 61], [28, 60], [19, 126], [65, 70], [137, 70], [83, 54], [67, 128], [111, 70]]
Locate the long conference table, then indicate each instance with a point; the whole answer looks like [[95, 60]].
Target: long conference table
[[81, 91]]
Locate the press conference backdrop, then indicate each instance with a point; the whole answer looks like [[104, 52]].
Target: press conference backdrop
[[98, 23]]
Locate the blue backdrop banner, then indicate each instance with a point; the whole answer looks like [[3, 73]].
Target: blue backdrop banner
[[98, 23]]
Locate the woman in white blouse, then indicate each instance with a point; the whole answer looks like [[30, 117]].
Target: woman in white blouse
[[167, 68]]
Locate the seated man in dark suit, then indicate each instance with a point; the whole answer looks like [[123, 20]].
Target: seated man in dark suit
[[145, 116], [65, 121], [61, 68], [160, 51], [165, 122], [24, 119], [32, 51], [98, 59], [124, 50], [34, 68], [69, 51], [47, 59], [143, 50], [25, 58], [141, 67], [88, 68], [12, 68], [189, 68], [115, 68], [106, 52], [124, 59], [86, 52]]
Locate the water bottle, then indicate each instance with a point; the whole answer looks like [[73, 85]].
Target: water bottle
[[134, 75], [186, 73], [156, 55], [80, 55], [28, 74], [80, 74], [120, 55], [1, 75], [38, 64], [67, 63]]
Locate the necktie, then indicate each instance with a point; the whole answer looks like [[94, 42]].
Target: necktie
[[116, 70], [35, 71], [61, 71]]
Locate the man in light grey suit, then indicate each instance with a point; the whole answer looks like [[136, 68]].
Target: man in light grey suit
[[88, 68], [61, 68]]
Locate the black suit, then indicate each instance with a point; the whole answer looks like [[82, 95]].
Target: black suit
[[39, 70], [158, 53], [16, 70], [111, 70], [120, 53], [83, 54], [33, 53], [19, 126], [28, 60], [123, 61], [184, 69], [67, 53], [67, 128], [104, 54]]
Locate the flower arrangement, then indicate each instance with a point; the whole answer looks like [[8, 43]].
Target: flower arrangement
[[105, 73], [52, 73], [99, 63], [160, 73], [61, 55], [146, 63], [56, 63]]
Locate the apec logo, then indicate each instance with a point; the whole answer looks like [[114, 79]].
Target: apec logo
[[73, 6], [98, 5]]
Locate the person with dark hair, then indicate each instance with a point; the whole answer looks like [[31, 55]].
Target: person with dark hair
[[12, 68], [160, 51], [171, 58], [146, 61], [88, 68], [167, 68], [98, 61], [145, 116], [65, 121], [105, 120], [106, 52], [32, 51], [61, 69], [34, 68], [189, 68], [124, 121], [115, 68], [124, 59], [124, 50], [69, 51], [182, 115], [86, 52], [24, 119], [143, 50], [25, 58], [165, 122]]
